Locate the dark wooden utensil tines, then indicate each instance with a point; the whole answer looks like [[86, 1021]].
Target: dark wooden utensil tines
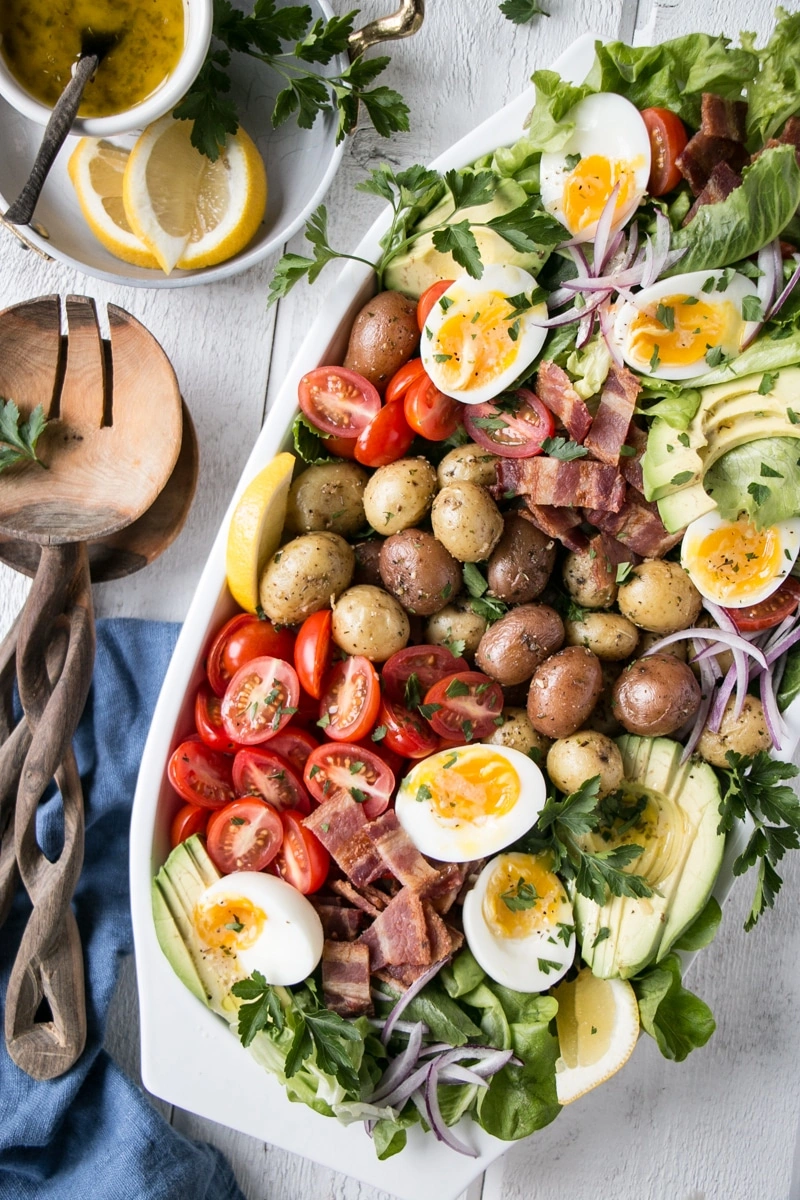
[[112, 442]]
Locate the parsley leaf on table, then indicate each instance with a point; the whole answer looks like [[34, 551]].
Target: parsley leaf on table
[[18, 438], [754, 785], [522, 11]]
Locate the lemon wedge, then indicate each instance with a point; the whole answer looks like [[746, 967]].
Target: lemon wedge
[[189, 211], [598, 1024], [255, 529], [96, 168]]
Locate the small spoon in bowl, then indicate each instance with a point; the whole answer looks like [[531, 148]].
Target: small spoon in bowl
[[94, 48]]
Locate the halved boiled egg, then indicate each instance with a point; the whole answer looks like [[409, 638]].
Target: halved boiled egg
[[736, 564], [686, 325], [481, 334], [609, 146], [262, 923], [467, 803], [518, 922]]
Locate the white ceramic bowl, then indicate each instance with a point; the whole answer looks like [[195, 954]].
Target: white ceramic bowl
[[198, 17], [189, 1056]]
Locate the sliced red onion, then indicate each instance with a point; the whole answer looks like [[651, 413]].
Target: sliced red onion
[[673, 257], [607, 330], [720, 639], [607, 283], [494, 1061], [780, 648], [772, 717], [709, 687], [578, 256], [603, 230], [560, 297], [404, 1090], [770, 639], [790, 286], [400, 1067], [435, 1118], [585, 329], [721, 699], [632, 247], [614, 247], [725, 621], [408, 996], [648, 275], [457, 1074], [767, 281], [574, 314]]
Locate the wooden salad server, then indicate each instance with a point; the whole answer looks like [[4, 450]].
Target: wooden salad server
[[112, 442]]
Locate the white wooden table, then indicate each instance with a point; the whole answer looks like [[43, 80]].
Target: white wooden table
[[720, 1126]]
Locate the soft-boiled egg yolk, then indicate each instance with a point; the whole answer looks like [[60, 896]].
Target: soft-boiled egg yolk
[[588, 187], [518, 922], [481, 334], [682, 329], [249, 921], [733, 562], [462, 804]]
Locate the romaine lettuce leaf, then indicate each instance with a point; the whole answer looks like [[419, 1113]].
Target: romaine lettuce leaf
[[678, 1020], [775, 93], [752, 215], [703, 928], [790, 680], [767, 355], [760, 478]]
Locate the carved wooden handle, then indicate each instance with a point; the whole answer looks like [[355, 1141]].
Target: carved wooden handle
[[49, 962]]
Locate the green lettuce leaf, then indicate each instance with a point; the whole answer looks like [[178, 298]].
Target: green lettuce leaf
[[675, 74], [703, 928], [790, 682], [743, 480], [767, 355], [677, 406], [678, 1020], [462, 975], [389, 1137], [520, 1100], [547, 127], [445, 1018], [775, 93], [752, 215], [590, 367]]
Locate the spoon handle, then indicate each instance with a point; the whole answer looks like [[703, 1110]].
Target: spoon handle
[[59, 125]]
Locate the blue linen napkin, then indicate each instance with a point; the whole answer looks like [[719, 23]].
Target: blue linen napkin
[[93, 1132]]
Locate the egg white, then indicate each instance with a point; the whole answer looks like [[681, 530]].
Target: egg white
[[534, 961], [729, 588], [473, 360], [465, 837], [289, 945], [690, 285], [607, 127]]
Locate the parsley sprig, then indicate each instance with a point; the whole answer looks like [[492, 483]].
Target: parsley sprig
[[522, 11], [289, 44], [754, 785], [561, 826], [18, 438]]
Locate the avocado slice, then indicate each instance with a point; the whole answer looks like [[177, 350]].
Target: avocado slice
[[683, 848], [729, 415], [176, 889]]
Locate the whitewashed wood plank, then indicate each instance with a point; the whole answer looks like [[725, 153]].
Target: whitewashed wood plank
[[659, 20]]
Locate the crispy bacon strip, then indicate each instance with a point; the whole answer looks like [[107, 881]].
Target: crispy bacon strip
[[404, 976], [357, 897], [638, 526], [554, 389], [339, 825], [398, 852], [400, 934], [345, 978], [702, 153], [576, 484], [721, 182], [340, 924], [561, 523], [721, 118], [630, 465], [611, 423]]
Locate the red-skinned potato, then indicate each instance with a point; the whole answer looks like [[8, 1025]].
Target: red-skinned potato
[[383, 337], [654, 696]]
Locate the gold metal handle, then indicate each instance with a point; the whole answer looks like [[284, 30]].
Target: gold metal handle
[[400, 24]]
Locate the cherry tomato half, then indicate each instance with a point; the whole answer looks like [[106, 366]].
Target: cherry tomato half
[[402, 379], [187, 821], [768, 612], [667, 140], [469, 704], [208, 720], [395, 762], [340, 447], [337, 401], [244, 836], [514, 429], [264, 774], [313, 650], [302, 860], [200, 775], [387, 438], [430, 412], [352, 697], [337, 770], [428, 663], [407, 732], [240, 640], [294, 745], [429, 298], [260, 699]]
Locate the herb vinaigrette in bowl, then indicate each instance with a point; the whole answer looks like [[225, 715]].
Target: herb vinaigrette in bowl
[[41, 41]]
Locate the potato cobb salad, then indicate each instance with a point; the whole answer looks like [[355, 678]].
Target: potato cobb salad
[[518, 618]]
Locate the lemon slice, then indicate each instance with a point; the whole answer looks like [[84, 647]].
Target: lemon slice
[[598, 1024], [96, 168], [189, 211], [255, 529]]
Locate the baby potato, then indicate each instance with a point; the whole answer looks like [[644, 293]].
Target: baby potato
[[329, 496], [518, 733], [564, 690], [654, 696], [304, 576], [590, 579], [677, 649], [610, 636], [456, 622], [745, 735], [468, 464], [466, 521], [383, 337], [399, 495], [512, 648], [419, 571], [368, 621], [659, 596], [521, 562], [580, 756]]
